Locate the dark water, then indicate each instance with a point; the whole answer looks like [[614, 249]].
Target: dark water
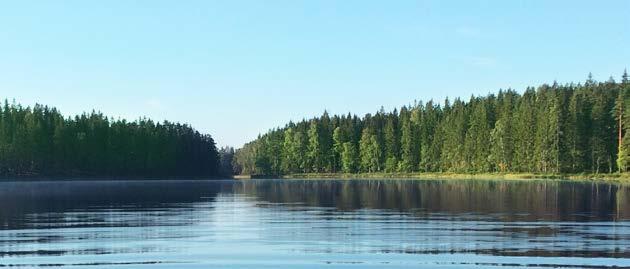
[[314, 224]]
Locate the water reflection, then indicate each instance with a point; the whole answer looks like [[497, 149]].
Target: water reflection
[[510, 200], [313, 224]]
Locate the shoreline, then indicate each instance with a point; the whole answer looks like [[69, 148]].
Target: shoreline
[[615, 177], [105, 178]]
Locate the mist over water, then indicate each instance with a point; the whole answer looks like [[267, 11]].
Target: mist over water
[[314, 224]]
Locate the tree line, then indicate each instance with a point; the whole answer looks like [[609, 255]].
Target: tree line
[[571, 128], [40, 141]]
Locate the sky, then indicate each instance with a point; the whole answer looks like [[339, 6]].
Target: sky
[[235, 69]]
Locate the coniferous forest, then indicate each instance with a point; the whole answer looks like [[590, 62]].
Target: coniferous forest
[[39, 141], [572, 128]]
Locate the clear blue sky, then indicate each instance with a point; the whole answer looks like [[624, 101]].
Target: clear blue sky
[[235, 69]]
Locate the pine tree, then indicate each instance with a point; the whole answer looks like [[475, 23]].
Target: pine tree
[[548, 130], [454, 129], [476, 143], [622, 108], [603, 135], [429, 154], [525, 132], [577, 131], [408, 158], [391, 144], [326, 143], [502, 136]]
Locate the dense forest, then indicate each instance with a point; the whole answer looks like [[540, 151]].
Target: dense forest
[[572, 128], [39, 141]]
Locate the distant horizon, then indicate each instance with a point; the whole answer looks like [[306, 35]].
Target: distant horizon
[[237, 69]]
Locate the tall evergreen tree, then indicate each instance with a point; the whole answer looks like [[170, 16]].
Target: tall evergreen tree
[[477, 138], [315, 148], [429, 157], [577, 132], [392, 144], [454, 128], [408, 158], [553, 129], [622, 108], [525, 132], [502, 136]]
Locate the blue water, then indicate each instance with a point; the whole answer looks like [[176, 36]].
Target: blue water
[[314, 224]]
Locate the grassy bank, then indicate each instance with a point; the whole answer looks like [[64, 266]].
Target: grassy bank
[[624, 177]]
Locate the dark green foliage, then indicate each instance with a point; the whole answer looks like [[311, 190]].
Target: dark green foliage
[[39, 141], [524, 131], [622, 115], [408, 146], [477, 140], [391, 143], [429, 147], [551, 129], [502, 148], [226, 160]]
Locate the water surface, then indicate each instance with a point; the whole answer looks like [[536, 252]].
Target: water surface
[[314, 224]]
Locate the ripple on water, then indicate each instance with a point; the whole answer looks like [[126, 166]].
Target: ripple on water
[[312, 224]]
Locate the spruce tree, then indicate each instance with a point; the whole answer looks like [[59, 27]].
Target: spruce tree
[[554, 129], [429, 153], [622, 108], [477, 139], [315, 148], [408, 158], [391, 144]]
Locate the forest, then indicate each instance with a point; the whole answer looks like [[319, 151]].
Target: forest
[[40, 141], [570, 128]]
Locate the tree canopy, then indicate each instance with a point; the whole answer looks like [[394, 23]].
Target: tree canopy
[[40, 141], [571, 128]]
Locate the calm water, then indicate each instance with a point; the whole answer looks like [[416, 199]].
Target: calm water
[[314, 224]]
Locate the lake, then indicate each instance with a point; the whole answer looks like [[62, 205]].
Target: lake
[[314, 224]]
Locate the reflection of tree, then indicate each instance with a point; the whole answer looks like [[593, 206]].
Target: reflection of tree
[[623, 200], [511, 200], [19, 199]]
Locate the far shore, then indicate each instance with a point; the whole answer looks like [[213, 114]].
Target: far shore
[[104, 178], [614, 177]]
